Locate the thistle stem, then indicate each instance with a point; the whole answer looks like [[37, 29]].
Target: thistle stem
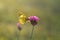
[[18, 36], [32, 33]]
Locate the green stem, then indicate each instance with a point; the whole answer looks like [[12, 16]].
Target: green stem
[[32, 33], [18, 36]]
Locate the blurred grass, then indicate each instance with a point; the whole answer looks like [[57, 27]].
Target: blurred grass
[[48, 27]]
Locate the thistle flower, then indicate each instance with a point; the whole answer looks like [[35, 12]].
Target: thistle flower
[[22, 19], [19, 26], [34, 20]]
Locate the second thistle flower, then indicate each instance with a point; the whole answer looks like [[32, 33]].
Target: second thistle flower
[[19, 26]]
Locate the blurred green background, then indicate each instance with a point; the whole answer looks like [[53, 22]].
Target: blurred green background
[[48, 27]]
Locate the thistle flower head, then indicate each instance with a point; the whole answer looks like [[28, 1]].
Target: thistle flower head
[[34, 20], [19, 26]]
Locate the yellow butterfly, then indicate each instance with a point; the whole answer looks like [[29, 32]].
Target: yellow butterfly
[[22, 19]]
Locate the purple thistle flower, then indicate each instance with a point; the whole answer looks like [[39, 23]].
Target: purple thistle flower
[[34, 20], [19, 26]]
